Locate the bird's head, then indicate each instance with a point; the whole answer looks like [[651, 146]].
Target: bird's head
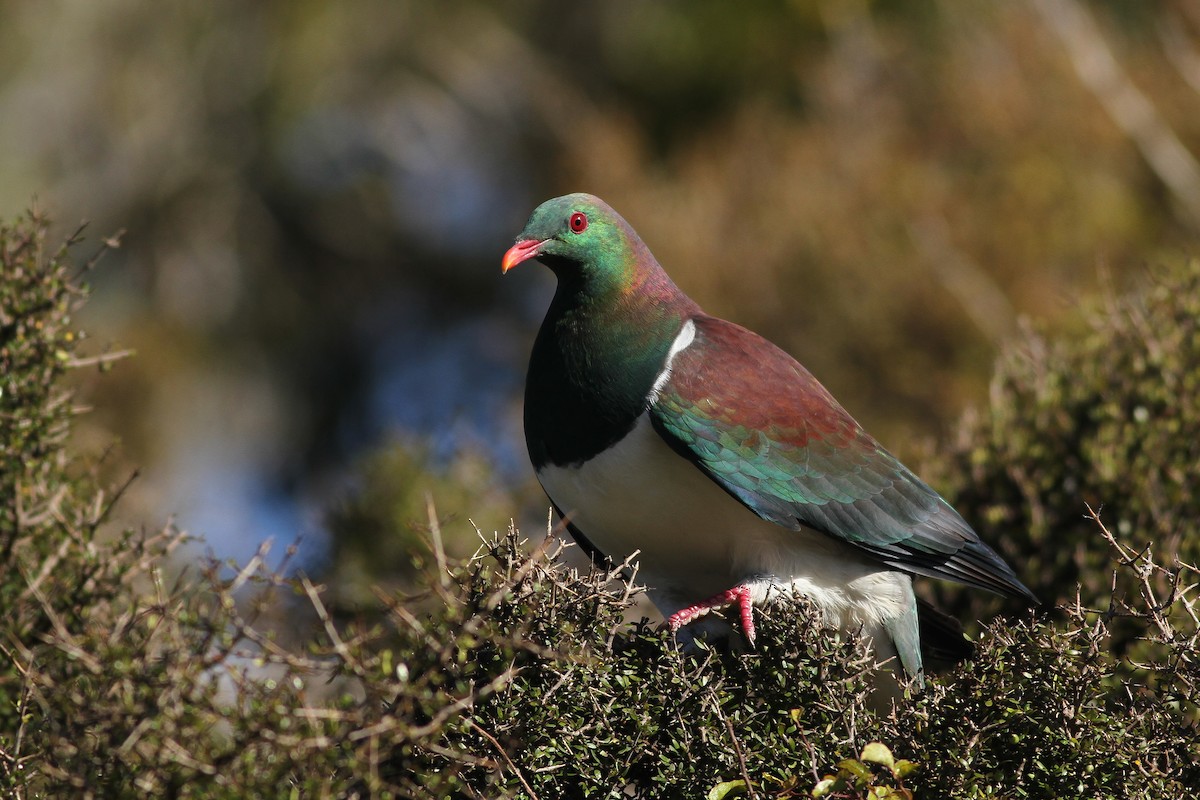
[[583, 240]]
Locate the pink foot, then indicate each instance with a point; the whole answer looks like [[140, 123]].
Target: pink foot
[[738, 595]]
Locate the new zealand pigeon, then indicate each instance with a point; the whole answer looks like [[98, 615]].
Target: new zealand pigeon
[[716, 456]]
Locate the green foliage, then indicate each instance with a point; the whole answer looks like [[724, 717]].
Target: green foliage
[[1039, 714], [860, 777], [50, 508], [36, 343], [378, 529], [509, 675], [1109, 419], [635, 712]]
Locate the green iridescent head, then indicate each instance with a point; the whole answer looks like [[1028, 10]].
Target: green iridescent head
[[583, 240]]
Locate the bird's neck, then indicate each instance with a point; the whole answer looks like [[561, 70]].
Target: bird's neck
[[594, 363]]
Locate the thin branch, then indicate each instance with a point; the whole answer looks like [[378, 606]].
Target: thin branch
[[737, 745], [331, 630], [101, 359], [503, 754]]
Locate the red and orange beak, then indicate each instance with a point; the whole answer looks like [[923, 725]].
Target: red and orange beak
[[521, 251]]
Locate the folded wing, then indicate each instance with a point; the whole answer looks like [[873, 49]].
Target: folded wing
[[765, 430]]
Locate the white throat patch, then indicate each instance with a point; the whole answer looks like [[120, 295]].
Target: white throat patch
[[687, 334]]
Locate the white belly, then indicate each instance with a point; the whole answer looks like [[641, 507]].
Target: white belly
[[695, 540]]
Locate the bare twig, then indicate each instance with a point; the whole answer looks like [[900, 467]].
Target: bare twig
[[99, 360], [435, 538], [503, 754], [737, 745], [339, 646]]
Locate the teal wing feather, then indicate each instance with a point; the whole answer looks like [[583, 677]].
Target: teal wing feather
[[767, 432]]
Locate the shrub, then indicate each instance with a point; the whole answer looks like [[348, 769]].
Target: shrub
[[1109, 419], [508, 674]]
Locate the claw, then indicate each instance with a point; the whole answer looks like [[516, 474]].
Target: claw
[[738, 595]]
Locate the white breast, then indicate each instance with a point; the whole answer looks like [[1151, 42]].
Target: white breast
[[696, 540]]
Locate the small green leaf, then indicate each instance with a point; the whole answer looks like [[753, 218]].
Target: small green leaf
[[827, 785], [878, 753], [856, 768], [727, 789], [903, 768]]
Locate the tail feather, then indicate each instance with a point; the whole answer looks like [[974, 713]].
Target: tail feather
[[927, 635], [942, 639], [906, 636]]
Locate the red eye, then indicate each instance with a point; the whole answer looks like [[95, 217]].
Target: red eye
[[578, 222]]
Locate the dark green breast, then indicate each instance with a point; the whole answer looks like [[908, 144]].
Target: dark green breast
[[590, 374]]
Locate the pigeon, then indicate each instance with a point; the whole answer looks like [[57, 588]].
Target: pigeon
[[714, 456]]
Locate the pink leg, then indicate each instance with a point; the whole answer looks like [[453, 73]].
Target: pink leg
[[738, 595]]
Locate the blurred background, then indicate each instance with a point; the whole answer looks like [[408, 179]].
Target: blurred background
[[316, 197]]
